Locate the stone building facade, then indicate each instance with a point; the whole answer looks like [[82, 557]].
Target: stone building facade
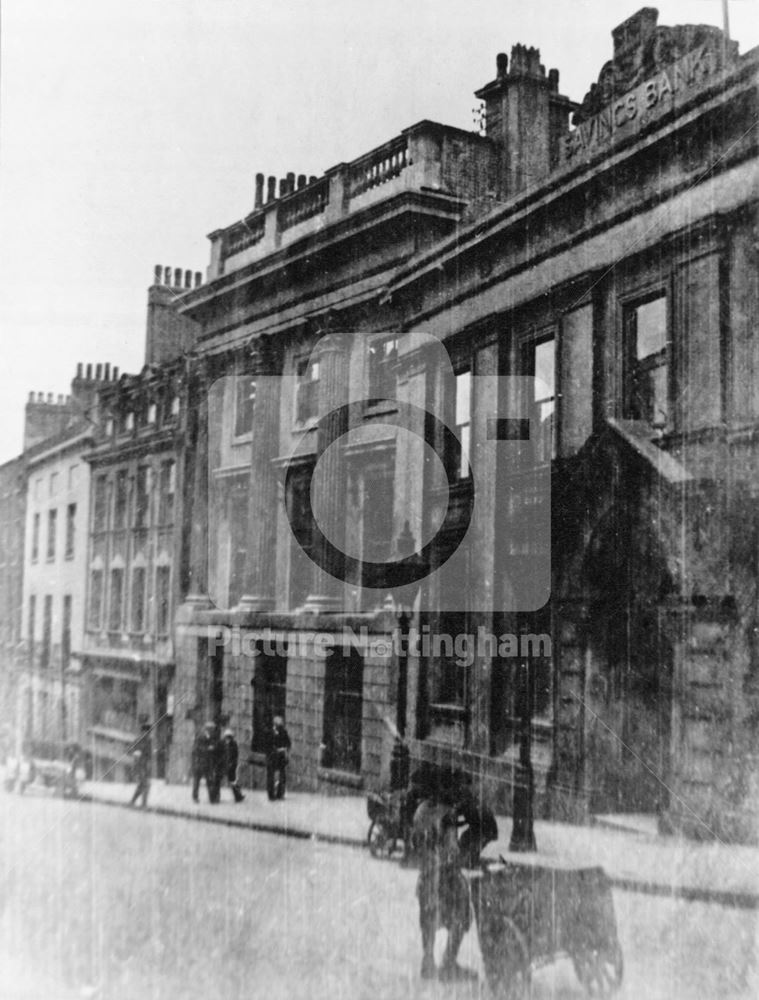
[[611, 258], [12, 523]]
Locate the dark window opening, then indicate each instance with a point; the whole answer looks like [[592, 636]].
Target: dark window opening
[[70, 530], [383, 355], [343, 703], [647, 349], [307, 390], [269, 696], [245, 398]]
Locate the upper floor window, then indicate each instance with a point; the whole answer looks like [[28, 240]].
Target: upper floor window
[[462, 415], [70, 530], [73, 476], [167, 488], [141, 496], [163, 599], [152, 414], [38, 489], [116, 600], [245, 398], [129, 421], [540, 361], [647, 352], [173, 411], [307, 398], [99, 512], [53, 483], [95, 608], [138, 599], [52, 523], [121, 499], [35, 538], [383, 354]]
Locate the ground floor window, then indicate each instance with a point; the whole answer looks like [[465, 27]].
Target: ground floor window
[[269, 696], [343, 703]]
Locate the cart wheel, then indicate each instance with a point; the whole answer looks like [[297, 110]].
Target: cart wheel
[[509, 975], [380, 843], [600, 970]]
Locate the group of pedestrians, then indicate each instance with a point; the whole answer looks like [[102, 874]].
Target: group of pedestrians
[[215, 760]]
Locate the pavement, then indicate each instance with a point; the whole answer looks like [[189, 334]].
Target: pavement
[[634, 856]]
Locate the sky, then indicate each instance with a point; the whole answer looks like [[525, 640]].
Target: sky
[[129, 131]]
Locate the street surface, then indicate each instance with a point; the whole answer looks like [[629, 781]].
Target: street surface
[[107, 903]]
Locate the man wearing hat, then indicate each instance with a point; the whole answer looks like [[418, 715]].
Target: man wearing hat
[[206, 753], [230, 756], [142, 754]]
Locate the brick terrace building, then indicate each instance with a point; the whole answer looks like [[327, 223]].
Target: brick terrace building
[[134, 537], [617, 261]]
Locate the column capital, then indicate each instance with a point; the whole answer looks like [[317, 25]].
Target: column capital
[[264, 355]]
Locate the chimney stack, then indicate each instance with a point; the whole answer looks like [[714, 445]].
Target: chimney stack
[[271, 189], [259, 200]]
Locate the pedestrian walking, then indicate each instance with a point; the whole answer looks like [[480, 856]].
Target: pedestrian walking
[[206, 764], [142, 754], [276, 759], [231, 756], [441, 889]]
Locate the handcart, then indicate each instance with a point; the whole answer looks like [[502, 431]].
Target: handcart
[[387, 827], [531, 912]]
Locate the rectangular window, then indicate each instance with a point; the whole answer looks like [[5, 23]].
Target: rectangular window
[[647, 351], [343, 704], [32, 625], [95, 610], [47, 631], [576, 379], [163, 599], [52, 524], [301, 523], [152, 413], [53, 484], [121, 500], [307, 390], [383, 355], [539, 360], [138, 599], [141, 496], [38, 489], [66, 631], [167, 487], [70, 530], [269, 696], [100, 510], [115, 609], [245, 398], [35, 538], [462, 415]]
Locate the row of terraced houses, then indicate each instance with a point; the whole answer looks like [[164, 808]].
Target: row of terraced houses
[[495, 386]]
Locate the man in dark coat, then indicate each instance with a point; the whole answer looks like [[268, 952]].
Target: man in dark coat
[[142, 752], [231, 756], [206, 762], [276, 758]]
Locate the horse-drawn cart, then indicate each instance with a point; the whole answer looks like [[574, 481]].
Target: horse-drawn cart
[[531, 912]]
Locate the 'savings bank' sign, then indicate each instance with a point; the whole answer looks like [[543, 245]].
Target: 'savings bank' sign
[[666, 89]]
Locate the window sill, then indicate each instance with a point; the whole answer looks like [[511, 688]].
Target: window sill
[[448, 711], [349, 779]]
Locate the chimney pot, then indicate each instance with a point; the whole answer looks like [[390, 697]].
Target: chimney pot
[[282, 187], [259, 200], [290, 182], [115, 372], [177, 277], [40, 397], [31, 397], [89, 373], [301, 180], [501, 64], [157, 274], [271, 189], [188, 279], [107, 371], [198, 279], [167, 275], [98, 373], [50, 397], [79, 370], [60, 399]]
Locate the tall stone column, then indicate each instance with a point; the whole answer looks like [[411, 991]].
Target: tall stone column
[[327, 587], [258, 591]]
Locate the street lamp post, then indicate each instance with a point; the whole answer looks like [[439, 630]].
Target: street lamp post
[[522, 830]]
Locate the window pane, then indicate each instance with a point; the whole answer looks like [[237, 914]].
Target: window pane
[[463, 398], [651, 322], [545, 369]]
